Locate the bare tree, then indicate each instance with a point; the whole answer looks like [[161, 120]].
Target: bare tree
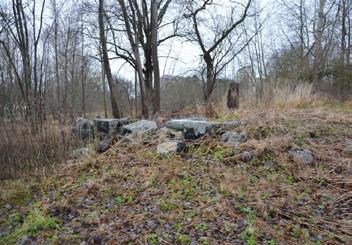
[[318, 36], [105, 56], [213, 52], [21, 37], [345, 5], [142, 24]]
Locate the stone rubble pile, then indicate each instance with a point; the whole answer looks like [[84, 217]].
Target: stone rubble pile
[[173, 135], [172, 138]]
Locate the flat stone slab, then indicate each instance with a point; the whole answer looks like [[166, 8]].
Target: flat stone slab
[[140, 126], [104, 145], [170, 147], [194, 128], [194, 132], [301, 156], [234, 138], [83, 128], [109, 125], [228, 125], [181, 124], [165, 133]]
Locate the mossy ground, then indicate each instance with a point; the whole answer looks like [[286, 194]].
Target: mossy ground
[[207, 195]]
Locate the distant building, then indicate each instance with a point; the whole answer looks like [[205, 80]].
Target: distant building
[[167, 78]]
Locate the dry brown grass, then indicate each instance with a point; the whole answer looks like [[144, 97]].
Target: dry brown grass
[[24, 151], [275, 99]]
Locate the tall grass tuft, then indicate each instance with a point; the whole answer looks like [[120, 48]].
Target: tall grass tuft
[[273, 98], [27, 151]]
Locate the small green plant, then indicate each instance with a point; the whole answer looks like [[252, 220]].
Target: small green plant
[[291, 179], [249, 233], [128, 198], [119, 200], [183, 239], [36, 221], [183, 189], [199, 150], [299, 232], [229, 228], [220, 152], [247, 210], [271, 242], [19, 193], [177, 227], [265, 195], [249, 236], [165, 207], [316, 243], [225, 192], [242, 193], [153, 239], [14, 219], [201, 227], [204, 240], [254, 179], [218, 155], [189, 214], [153, 180], [299, 139]]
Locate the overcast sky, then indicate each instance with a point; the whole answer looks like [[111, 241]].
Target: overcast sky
[[184, 57]]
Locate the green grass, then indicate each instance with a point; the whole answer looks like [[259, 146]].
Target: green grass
[[36, 221], [183, 239], [153, 239], [124, 199], [17, 193], [166, 207], [249, 233], [201, 227]]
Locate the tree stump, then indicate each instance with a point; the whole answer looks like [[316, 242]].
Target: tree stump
[[233, 95]]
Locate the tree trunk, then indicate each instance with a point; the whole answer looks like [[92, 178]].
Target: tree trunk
[[211, 79], [154, 27], [318, 56], [114, 106], [56, 54], [148, 80], [104, 88], [349, 45], [343, 32], [138, 63], [233, 96], [83, 106]]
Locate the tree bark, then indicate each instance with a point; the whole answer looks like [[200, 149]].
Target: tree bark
[[83, 102], [154, 27], [138, 63], [114, 106], [343, 32], [349, 45], [210, 77], [233, 96], [318, 55]]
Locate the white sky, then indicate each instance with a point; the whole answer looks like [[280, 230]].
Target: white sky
[[184, 57]]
